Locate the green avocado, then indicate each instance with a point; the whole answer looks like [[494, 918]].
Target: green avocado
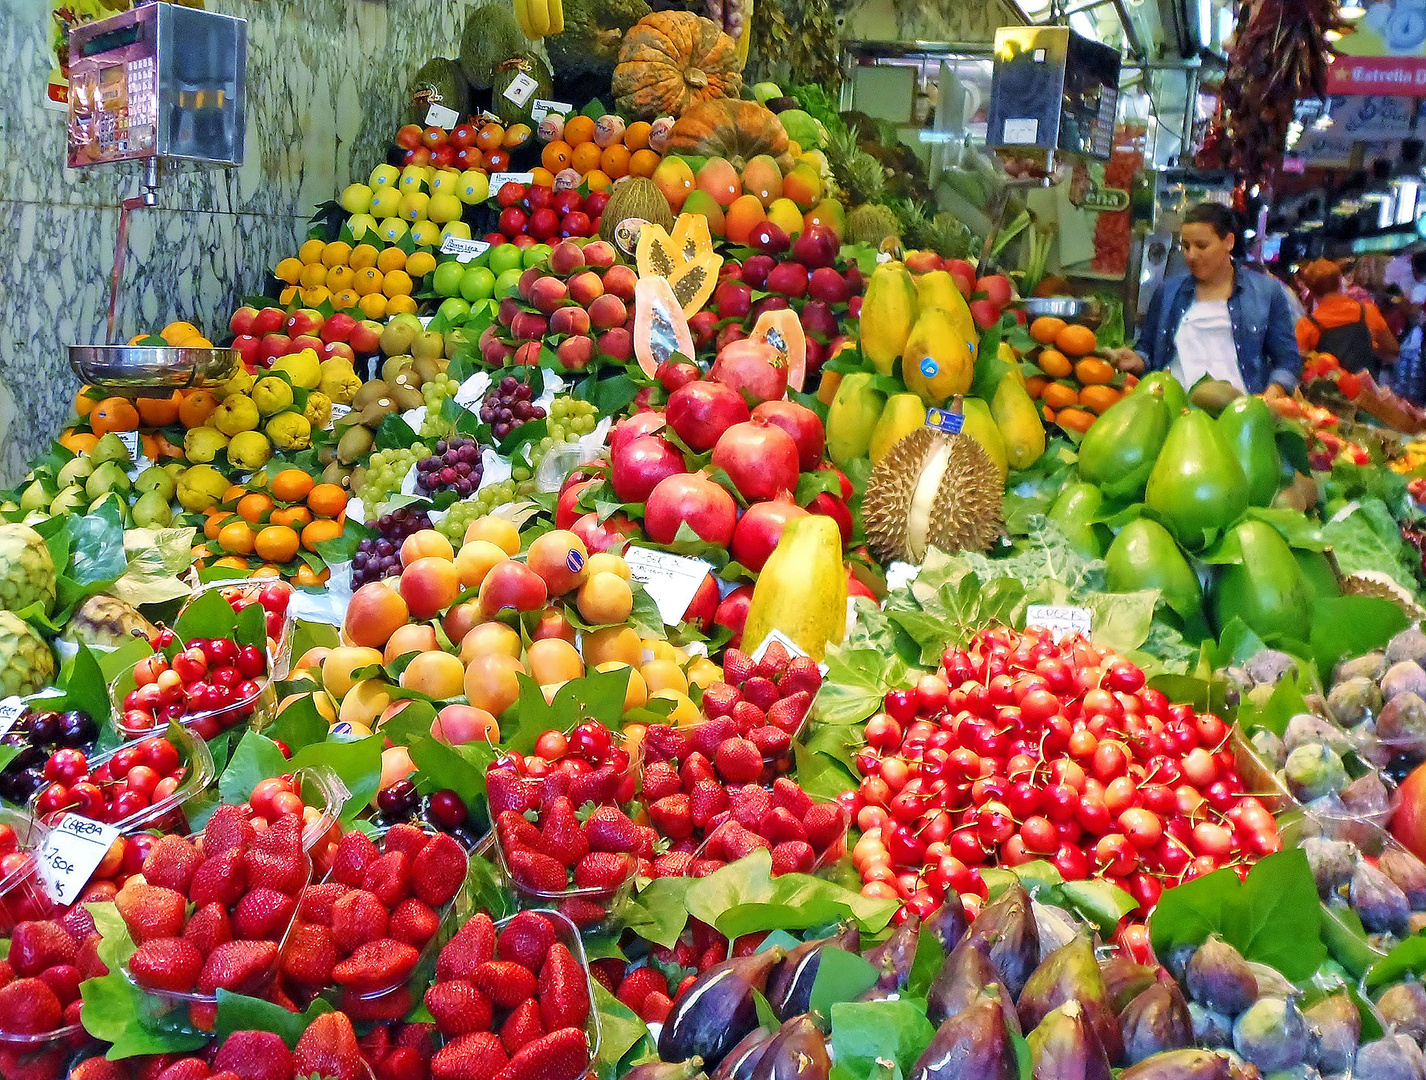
[[1266, 589], [1197, 485], [1144, 556], [1119, 450], [1247, 422]]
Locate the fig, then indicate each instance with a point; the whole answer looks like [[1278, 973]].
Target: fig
[[894, 956], [1332, 862], [1378, 900], [959, 983], [1005, 931], [948, 923], [1404, 677], [1182, 1065], [717, 1010], [1407, 872], [1176, 961], [663, 1070], [973, 1043], [1368, 666], [1272, 1033], [1127, 979], [739, 1062], [1403, 1007], [1271, 981], [1306, 728], [1338, 1025], [1155, 1021], [1220, 978], [1410, 644], [1056, 928], [1210, 1028], [789, 987], [1065, 1047], [797, 1052], [1269, 665], [1269, 747], [1355, 701], [1367, 794], [1402, 720], [1072, 974], [1313, 770], [1393, 1057]]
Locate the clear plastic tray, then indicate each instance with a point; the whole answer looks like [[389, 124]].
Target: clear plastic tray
[[774, 765], [590, 909], [825, 858], [22, 897], [26, 1055]]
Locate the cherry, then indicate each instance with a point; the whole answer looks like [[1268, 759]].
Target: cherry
[[275, 597], [552, 745], [446, 809], [1039, 835], [53, 798], [142, 780], [901, 705], [161, 755], [67, 766], [87, 799]]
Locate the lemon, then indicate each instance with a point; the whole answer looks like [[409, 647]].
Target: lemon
[[272, 395]]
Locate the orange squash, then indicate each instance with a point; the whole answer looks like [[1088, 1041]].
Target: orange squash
[[672, 60], [660, 328], [783, 331], [733, 129]]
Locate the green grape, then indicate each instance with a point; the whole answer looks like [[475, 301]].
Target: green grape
[[385, 473]]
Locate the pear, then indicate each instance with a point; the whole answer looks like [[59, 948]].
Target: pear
[[157, 480], [110, 448], [71, 500], [75, 472], [175, 469], [119, 501], [106, 478], [429, 344], [152, 511], [36, 497], [398, 336]]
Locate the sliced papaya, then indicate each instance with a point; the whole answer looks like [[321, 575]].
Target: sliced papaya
[[660, 327], [686, 259], [691, 236], [782, 330]]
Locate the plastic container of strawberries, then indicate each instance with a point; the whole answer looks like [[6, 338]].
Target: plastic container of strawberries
[[774, 765], [590, 909], [824, 859], [22, 894], [47, 1053]]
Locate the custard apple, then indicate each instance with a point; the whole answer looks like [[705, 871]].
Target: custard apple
[[26, 569], [26, 660]]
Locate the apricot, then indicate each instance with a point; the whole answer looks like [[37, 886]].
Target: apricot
[[606, 562], [684, 711], [374, 613], [553, 660], [659, 649], [364, 702], [312, 658], [338, 672], [475, 560], [324, 705], [499, 531], [436, 674], [462, 619], [552, 624], [613, 643], [392, 710], [429, 586], [664, 675], [456, 725], [490, 638], [512, 585], [426, 544], [559, 558], [491, 682], [413, 637], [704, 673], [636, 693], [605, 599], [396, 764]]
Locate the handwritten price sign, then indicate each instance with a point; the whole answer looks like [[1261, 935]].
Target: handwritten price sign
[[72, 852]]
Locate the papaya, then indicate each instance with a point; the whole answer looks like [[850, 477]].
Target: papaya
[[1173, 393], [1197, 486], [1248, 424], [1120, 448], [937, 289], [1074, 512], [660, 328], [852, 417], [902, 414], [979, 424], [782, 330], [1318, 572], [802, 590], [1265, 588], [1019, 423], [1145, 556], [888, 315], [935, 362]]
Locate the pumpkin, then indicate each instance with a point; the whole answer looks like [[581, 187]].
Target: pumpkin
[[671, 61], [730, 128]]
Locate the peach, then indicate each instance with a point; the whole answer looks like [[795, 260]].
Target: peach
[[566, 258], [527, 326], [429, 586], [621, 281], [570, 320], [425, 544], [512, 585], [374, 613], [575, 351], [549, 293], [320, 701], [498, 530], [586, 287], [617, 344], [743, 217], [606, 562], [436, 674], [636, 693], [607, 312], [396, 764], [600, 254], [674, 179], [490, 639], [339, 672], [413, 637], [462, 619], [492, 682], [456, 725], [604, 599], [558, 556], [475, 559], [312, 658], [613, 644], [364, 702], [552, 624], [719, 179], [554, 660]]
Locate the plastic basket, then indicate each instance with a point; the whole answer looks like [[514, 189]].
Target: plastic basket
[[22, 896]]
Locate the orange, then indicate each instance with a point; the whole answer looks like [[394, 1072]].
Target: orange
[[373, 306], [114, 414], [1074, 419], [1054, 363], [291, 485], [1046, 328], [231, 562], [396, 283], [83, 403], [556, 155], [237, 538], [233, 494], [277, 544], [215, 521], [151, 446], [367, 281], [345, 300], [306, 576], [336, 253], [1098, 398], [643, 163], [1093, 370], [421, 263], [636, 135], [316, 296], [615, 160], [288, 270], [542, 176], [579, 129], [401, 305], [363, 255], [328, 500], [254, 508], [287, 295], [340, 278], [318, 531], [490, 136], [313, 274], [585, 157], [311, 251], [179, 332], [392, 258], [598, 180], [1076, 340], [1048, 413], [294, 516], [1059, 395], [157, 411], [78, 442]]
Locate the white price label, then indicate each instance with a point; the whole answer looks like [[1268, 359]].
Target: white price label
[[521, 89], [469, 393], [11, 709], [793, 649], [1024, 132], [672, 580], [73, 850], [134, 444], [1062, 621], [489, 117], [463, 250], [544, 106], [338, 411], [500, 179], [440, 116]]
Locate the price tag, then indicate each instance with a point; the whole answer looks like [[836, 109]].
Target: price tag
[[672, 580], [440, 116], [521, 89], [945, 421], [338, 411], [1023, 132], [793, 649], [463, 250], [500, 179], [469, 393], [544, 106], [134, 444], [11, 709], [489, 117], [1063, 621], [73, 850]]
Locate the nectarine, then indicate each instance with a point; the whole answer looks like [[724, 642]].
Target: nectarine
[[436, 674], [374, 613], [491, 682]]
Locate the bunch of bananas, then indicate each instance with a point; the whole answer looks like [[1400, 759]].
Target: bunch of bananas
[[540, 18]]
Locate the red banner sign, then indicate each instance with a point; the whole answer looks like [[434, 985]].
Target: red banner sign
[[1391, 76]]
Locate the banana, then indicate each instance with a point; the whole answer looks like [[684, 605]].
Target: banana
[[556, 16], [745, 39], [522, 16], [539, 17]]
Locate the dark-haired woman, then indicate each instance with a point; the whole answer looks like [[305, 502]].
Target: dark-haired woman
[[1219, 321]]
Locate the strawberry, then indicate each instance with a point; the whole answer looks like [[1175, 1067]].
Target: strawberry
[[263, 913], [35, 946], [673, 864], [748, 804], [761, 691], [825, 823], [64, 980], [29, 1007], [209, 927], [778, 824], [317, 902], [405, 837], [526, 939], [189, 1068], [738, 842], [220, 879], [660, 780], [802, 676], [438, 870], [603, 870], [167, 964], [358, 917], [403, 1063], [536, 871], [789, 713], [149, 912], [707, 798], [329, 1049], [228, 829], [672, 815], [7, 973], [648, 840], [774, 662], [772, 742], [310, 955], [696, 767], [747, 716], [792, 856], [609, 829], [790, 796], [515, 831], [665, 743], [715, 953], [414, 921], [458, 1008], [560, 1055], [506, 791], [171, 863], [608, 972], [738, 666], [226, 1074], [354, 853], [708, 736], [599, 786], [377, 964], [418, 1037], [286, 872], [254, 1055], [563, 990], [506, 983], [739, 762], [77, 920], [472, 945], [720, 699], [639, 984], [656, 1008], [100, 1068], [477, 1056], [237, 966], [561, 836], [282, 837], [389, 878], [89, 964], [522, 1026]]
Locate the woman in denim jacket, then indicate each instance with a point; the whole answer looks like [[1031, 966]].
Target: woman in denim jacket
[[1219, 321]]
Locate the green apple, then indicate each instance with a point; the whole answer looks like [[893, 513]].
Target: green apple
[[414, 178], [445, 181], [391, 229], [479, 282], [415, 206], [507, 284], [444, 207], [384, 176], [455, 310], [505, 257], [386, 203], [361, 224], [535, 254], [356, 198], [445, 279], [457, 229], [474, 187], [426, 233]]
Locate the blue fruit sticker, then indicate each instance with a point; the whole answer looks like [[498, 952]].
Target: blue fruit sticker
[[929, 367], [574, 560]]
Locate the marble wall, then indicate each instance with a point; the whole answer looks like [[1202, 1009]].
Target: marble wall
[[325, 88]]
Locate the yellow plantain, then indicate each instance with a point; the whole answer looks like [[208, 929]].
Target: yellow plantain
[[522, 16], [556, 16], [539, 17], [745, 39]]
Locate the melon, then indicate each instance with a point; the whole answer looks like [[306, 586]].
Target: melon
[[635, 199]]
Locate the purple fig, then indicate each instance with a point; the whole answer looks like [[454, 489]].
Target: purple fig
[[797, 1052], [661, 1070], [948, 923], [1379, 901], [959, 983], [1005, 931], [1065, 1047], [1408, 872], [972, 1044], [717, 1010], [1155, 1021], [1403, 1007], [789, 987], [1220, 978], [739, 1062], [894, 956], [1072, 974], [1182, 1065], [1339, 1028], [1126, 979], [1394, 1057]]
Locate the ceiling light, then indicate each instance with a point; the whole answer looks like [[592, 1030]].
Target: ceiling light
[[1351, 10]]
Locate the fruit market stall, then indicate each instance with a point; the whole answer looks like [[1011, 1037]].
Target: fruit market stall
[[646, 603]]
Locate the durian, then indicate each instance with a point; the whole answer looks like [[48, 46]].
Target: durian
[[1383, 587], [932, 489], [871, 223]]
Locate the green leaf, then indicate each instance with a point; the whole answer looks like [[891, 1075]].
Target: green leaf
[[252, 626], [299, 724], [1407, 958], [841, 976], [84, 685], [925, 966], [659, 911], [619, 1027], [865, 1031], [256, 758], [238, 1012], [1099, 902], [208, 615], [1347, 942], [357, 764], [1351, 626]]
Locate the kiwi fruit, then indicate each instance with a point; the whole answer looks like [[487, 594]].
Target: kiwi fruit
[[356, 442], [393, 366], [338, 474], [369, 392], [428, 368], [406, 397]]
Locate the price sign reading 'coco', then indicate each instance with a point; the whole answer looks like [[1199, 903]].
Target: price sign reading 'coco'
[[72, 852]]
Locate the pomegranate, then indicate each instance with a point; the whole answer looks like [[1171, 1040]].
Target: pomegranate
[[699, 413], [690, 497], [641, 423], [759, 457], [733, 613], [640, 464], [804, 425], [835, 509], [566, 510], [704, 605], [1408, 824], [611, 534], [675, 374], [760, 528], [755, 369]]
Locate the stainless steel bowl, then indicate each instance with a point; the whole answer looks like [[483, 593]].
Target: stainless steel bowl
[[1087, 311], [133, 369]]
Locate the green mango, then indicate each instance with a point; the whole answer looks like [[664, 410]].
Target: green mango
[[1197, 484], [1174, 395], [1144, 556], [1248, 424], [1266, 589], [1318, 573], [1073, 512], [1119, 450]]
